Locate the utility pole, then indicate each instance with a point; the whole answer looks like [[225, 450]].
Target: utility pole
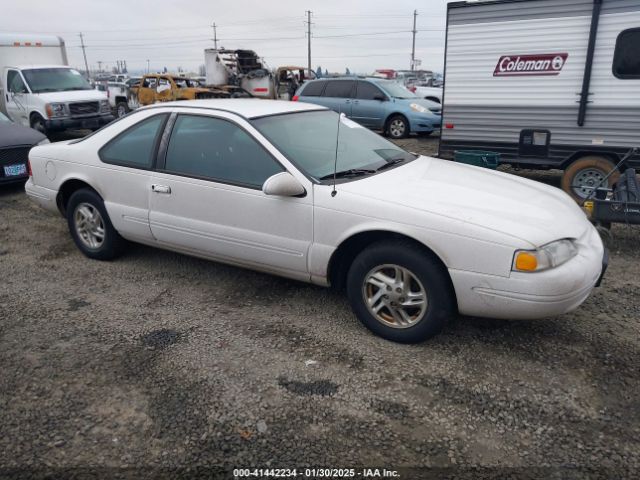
[[84, 53], [309, 38], [413, 45], [215, 36], [148, 70], [99, 65]]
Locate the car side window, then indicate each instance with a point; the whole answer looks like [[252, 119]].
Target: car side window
[[135, 146], [339, 89], [367, 91], [313, 89], [216, 149], [626, 59], [15, 82], [150, 82]]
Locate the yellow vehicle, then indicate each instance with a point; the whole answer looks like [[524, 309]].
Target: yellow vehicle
[[155, 88]]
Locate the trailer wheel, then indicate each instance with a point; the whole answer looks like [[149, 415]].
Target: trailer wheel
[[586, 173], [121, 109]]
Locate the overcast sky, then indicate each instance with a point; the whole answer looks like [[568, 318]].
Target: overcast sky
[[359, 34]]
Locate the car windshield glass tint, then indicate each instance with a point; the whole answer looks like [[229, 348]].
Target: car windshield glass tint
[[394, 89], [308, 139], [43, 80]]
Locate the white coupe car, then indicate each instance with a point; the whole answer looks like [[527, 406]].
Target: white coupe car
[[250, 182]]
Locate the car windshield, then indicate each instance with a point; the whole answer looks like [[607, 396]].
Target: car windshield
[[395, 89], [42, 80], [308, 139]]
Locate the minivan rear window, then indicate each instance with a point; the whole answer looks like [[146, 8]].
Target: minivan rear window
[[313, 89]]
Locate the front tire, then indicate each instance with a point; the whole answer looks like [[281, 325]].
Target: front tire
[[397, 127], [91, 228], [37, 123], [400, 292]]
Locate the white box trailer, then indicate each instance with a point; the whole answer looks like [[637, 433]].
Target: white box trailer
[[546, 83], [38, 88]]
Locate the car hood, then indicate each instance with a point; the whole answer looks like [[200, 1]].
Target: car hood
[[73, 96], [12, 135], [530, 211]]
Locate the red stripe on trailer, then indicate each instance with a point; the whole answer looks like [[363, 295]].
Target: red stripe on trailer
[[16, 44], [27, 44], [261, 89]]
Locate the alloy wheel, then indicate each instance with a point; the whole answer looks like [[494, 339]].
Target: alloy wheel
[[89, 225], [394, 296]]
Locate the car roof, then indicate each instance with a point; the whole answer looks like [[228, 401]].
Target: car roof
[[245, 107]]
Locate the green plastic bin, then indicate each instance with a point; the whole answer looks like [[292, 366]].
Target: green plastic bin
[[477, 158]]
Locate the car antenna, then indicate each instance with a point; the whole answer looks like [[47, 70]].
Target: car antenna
[[334, 192]]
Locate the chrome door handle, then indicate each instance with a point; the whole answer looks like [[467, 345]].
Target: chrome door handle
[[161, 189]]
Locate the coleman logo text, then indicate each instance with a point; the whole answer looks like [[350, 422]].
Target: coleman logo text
[[525, 65]]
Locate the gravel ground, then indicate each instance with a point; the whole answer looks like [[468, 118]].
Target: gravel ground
[[159, 361]]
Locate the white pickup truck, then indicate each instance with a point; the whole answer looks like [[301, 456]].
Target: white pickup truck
[[39, 90]]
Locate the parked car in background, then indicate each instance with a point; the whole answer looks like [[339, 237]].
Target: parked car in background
[[15, 143], [156, 88], [39, 90], [278, 187], [376, 103], [122, 98]]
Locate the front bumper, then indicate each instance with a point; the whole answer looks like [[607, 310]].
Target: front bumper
[[60, 124], [527, 296], [421, 123]]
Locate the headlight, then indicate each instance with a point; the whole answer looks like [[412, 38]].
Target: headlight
[[44, 141], [104, 106], [418, 108], [548, 256], [56, 110]]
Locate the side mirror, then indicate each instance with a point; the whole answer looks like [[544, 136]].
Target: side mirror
[[380, 97], [283, 185]]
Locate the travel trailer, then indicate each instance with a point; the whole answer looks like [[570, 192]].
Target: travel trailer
[[545, 83]]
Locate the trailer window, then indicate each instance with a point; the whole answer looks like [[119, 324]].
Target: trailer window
[[626, 60]]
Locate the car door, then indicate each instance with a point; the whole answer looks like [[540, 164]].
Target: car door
[[368, 107], [16, 98], [124, 178], [206, 197], [165, 90], [337, 96], [147, 91]]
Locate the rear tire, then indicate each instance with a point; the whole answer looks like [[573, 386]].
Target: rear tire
[[121, 109], [397, 127], [91, 228], [385, 285], [587, 172]]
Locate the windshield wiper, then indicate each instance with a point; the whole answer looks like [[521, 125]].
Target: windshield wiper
[[390, 163], [75, 88], [352, 172]]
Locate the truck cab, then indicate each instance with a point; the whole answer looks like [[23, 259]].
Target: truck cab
[[53, 98], [38, 89]]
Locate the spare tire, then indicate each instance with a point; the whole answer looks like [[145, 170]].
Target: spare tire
[[585, 174]]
